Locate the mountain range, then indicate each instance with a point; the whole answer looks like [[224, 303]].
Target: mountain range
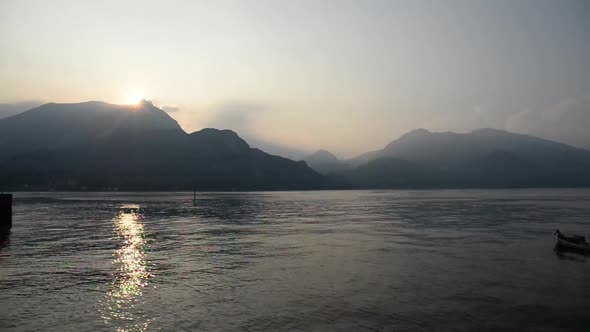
[[481, 158], [96, 145]]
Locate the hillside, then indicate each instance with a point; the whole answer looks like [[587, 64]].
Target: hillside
[[481, 158], [97, 145], [325, 162]]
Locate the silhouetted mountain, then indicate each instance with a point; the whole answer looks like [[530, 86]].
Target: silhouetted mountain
[[96, 145], [137, 148], [391, 149], [52, 125], [7, 110], [386, 172], [325, 162], [481, 158]]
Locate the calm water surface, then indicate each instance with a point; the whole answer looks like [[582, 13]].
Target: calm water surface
[[313, 261]]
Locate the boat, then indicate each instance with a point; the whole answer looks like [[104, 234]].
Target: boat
[[575, 242]]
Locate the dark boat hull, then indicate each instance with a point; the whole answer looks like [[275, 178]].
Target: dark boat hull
[[581, 247]]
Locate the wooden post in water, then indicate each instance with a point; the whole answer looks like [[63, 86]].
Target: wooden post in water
[[194, 197], [5, 212]]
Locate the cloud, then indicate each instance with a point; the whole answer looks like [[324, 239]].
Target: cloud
[[171, 109], [565, 122], [238, 116], [244, 117], [463, 118]]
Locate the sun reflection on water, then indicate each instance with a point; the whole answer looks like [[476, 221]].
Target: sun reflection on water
[[121, 303]]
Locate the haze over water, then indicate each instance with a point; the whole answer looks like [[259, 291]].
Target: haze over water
[[275, 261]]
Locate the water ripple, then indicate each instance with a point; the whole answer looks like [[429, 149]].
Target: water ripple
[[349, 260]]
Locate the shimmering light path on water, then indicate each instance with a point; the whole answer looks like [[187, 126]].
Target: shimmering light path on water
[[126, 290], [335, 260]]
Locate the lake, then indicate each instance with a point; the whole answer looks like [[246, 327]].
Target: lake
[[313, 261]]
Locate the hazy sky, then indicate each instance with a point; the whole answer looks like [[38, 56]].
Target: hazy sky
[[348, 76]]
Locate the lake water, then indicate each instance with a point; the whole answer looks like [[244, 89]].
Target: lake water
[[314, 261]]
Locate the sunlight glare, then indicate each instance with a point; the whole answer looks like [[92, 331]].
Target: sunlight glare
[[134, 98], [125, 292]]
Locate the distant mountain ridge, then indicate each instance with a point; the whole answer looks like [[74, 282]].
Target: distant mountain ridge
[[10, 109], [325, 162], [97, 145], [274, 148], [450, 148], [481, 158], [54, 125]]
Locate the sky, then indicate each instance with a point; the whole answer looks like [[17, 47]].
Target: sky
[[347, 76]]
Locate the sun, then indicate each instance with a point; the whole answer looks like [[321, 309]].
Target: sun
[[134, 98]]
